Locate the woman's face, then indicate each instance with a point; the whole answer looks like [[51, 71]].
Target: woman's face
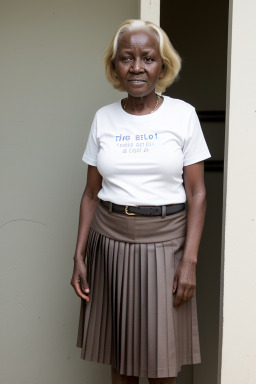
[[138, 63]]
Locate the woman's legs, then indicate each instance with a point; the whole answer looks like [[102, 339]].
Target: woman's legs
[[160, 380], [123, 379]]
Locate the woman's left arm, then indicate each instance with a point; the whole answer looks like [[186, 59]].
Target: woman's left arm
[[184, 282]]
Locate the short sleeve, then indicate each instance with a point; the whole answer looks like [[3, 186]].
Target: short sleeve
[[92, 147], [195, 148]]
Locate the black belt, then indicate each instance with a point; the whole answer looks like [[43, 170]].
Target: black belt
[[143, 211]]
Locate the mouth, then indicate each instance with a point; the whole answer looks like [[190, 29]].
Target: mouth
[[137, 81]]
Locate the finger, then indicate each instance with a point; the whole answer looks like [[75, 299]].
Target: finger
[[185, 294], [175, 284], [190, 293], [79, 292], [178, 297], [84, 284]]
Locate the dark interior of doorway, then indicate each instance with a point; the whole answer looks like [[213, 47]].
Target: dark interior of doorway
[[199, 30]]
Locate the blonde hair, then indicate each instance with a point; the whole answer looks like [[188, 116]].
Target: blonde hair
[[171, 59]]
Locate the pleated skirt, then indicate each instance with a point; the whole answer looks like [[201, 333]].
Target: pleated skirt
[[130, 322]]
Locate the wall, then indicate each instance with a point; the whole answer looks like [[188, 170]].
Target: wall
[[198, 31], [239, 247], [52, 82]]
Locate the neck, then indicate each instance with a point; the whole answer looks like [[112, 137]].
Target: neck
[[141, 105]]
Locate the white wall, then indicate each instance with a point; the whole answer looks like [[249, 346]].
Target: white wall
[[239, 250], [150, 10], [52, 82]]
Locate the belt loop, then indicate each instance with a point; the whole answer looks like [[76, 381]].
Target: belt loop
[[163, 211], [110, 207]]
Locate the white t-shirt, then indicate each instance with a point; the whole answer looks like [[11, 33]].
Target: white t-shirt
[[141, 158]]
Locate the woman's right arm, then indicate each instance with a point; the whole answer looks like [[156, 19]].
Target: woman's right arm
[[88, 205]]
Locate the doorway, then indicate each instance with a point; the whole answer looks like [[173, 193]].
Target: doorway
[[199, 32]]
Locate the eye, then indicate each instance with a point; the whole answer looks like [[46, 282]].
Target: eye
[[148, 59], [126, 58]]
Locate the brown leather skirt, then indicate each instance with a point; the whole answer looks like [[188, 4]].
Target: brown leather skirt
[[130, 322]]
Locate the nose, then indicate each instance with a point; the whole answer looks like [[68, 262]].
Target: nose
[[137, 66]]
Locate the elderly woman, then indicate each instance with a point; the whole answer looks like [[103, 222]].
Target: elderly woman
[[136, 253]]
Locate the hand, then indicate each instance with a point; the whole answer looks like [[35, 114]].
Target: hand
[[79, 280], [184, 282]]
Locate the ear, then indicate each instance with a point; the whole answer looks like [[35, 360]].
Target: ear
[[163, 71]]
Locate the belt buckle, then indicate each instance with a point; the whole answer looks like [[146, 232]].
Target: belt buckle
[[128, 213]]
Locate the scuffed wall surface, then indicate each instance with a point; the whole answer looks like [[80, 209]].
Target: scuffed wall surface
[[52, 82]]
